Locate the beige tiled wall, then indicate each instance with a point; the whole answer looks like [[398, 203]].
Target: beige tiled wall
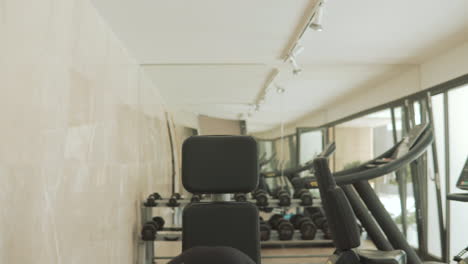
[[83, 137], [355, 144]]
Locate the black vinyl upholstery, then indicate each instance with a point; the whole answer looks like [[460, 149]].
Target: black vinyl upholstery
[[339, 213], [230, 224], [220, 164], [212, 255], [381, 257]]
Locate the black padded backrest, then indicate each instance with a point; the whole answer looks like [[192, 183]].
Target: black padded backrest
[[220, 164], [338, 210], [227, 224]]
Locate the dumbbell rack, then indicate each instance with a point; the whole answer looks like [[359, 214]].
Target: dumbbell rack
[[295, 203], [148, 255]]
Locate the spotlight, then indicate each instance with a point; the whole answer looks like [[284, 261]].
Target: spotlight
[[298, 49], [280, 89], [316, 23], [296, 68]]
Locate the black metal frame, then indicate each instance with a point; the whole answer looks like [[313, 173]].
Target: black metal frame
[[421, 165]]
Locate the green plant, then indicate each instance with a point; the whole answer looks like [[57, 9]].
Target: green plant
[[410, 218], [351, 165]]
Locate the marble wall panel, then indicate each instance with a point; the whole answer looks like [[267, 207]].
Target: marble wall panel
[[83, 137]]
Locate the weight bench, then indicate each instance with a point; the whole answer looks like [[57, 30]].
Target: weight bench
[[221, 165]]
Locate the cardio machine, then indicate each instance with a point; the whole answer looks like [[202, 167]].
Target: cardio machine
[[338, 210]]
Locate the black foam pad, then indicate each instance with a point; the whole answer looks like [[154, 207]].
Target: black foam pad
[[340, 215], [219, 164], [212, 255], [222, 224]]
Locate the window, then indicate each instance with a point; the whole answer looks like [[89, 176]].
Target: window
[[434, 239], [311, 144], [458, 145], [366, 137], [265, 152], [283, 153]]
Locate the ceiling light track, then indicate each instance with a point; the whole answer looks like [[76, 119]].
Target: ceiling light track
[[316, 13], [314, 22], [201, 64]]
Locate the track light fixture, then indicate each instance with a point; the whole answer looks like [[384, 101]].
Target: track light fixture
[[296, 68], [280, 89], [257, 108], [316, 23], [298, 49]]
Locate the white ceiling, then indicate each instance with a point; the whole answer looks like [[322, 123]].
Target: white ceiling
[[214, 57], [386, 32], [204, 31]]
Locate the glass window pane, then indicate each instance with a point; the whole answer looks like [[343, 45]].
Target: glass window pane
[[398, 122], [311, 145], [284, 152], [458, 131], [365, 138], [434, 245], [265, 151], [417, 113]]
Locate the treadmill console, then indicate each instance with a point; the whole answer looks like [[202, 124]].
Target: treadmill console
[[462, 182]]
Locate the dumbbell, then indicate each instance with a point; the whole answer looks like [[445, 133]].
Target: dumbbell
[[265, 230], [261, 196], [305, 196], [284, 198], [159, 221], [240, 197], [284, 227], [319, 219], [151, 228], [196, 198], [151, 201], [322, 223], [326, 232], [173, 201], [305, 225], [266, 209]]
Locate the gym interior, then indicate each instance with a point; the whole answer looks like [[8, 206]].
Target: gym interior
[[215, 131]]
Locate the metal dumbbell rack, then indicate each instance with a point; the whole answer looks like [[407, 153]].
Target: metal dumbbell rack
[[173, 234]]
